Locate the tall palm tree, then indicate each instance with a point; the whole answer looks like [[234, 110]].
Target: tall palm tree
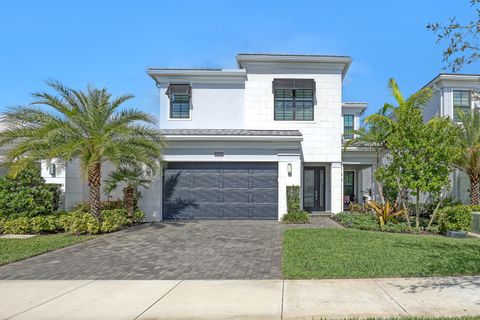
[[86, 125], [132, 178], [469, 163]]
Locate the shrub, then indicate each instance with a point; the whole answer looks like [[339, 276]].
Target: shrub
[[79, 223], [385, 212], [360, 208], [27, 195], [425, 209], [138, 217], [17, 226], [296, 217], [2, 222], [114, 220], [105, 205], [293, 199], [363, 221], [455, 218], [48, 223]]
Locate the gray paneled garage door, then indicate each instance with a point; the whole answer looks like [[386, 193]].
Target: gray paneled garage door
[[213, 190]]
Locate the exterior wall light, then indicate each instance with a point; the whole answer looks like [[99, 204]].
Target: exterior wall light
[[289, 169], [52, 169]]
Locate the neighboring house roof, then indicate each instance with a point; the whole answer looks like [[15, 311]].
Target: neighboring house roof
[[232, 134], [359, 106], [453, 76], [293, 58]]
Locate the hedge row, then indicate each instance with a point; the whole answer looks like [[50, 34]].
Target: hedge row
[[73, 222]]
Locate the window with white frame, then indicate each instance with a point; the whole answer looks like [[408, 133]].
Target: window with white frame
[[348, 125], [293, 99], [180, 97], [461, 103]]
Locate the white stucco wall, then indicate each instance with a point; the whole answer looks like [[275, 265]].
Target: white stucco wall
[[322, 136], [285, 180], [213, 106]]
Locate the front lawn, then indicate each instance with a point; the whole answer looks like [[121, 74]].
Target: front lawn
[[17, 249], [347, 253]]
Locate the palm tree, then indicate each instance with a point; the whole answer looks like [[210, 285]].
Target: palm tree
[[469, 163], [86, 125], [133, 178]]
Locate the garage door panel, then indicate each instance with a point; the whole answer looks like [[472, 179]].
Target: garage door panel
[[206, 180], [207, 195], [237, 211], [235, 181], [221, 191], [265, 196], [264, 182], [263, 210], [178, 179], [205, 211], [236, 195]]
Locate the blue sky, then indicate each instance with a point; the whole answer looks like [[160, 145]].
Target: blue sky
[[111, 43]]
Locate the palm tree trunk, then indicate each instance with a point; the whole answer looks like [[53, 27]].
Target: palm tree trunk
[[474, 192], [94, 182], [129, 195]]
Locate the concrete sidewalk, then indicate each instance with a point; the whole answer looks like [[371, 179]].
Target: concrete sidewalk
[[238, 299]]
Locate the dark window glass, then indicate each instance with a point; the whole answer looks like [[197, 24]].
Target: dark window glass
[[293, 104], [349, 184], [348, 121], [461, 103], [180, 106]]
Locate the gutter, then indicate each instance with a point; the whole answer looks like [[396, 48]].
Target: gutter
[[230, 138]]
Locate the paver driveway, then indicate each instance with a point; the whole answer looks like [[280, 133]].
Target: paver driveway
[[171, 250]]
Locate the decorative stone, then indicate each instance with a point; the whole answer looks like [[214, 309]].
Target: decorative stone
[[456, 234], [17, 236]]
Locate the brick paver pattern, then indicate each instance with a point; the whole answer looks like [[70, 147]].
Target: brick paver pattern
[[167, 250]]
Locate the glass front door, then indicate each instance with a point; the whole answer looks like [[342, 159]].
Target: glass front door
[[314, 189]]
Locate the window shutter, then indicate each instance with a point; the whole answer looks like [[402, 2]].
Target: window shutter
[[178, 89]]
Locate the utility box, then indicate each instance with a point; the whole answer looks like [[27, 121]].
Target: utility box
[[476, 222]]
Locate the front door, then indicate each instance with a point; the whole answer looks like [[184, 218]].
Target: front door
[[314, 189]]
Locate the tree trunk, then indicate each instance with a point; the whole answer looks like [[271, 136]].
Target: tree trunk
[[434, 215], [94, 182], [474, 195], [129, 195], [402, 195], [417, 213]]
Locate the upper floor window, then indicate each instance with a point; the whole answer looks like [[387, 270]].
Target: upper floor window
[[180, 95], [293, 99], [348, 121], [461, 103]]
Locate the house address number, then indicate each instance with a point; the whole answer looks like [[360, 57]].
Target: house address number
[[219, 154]]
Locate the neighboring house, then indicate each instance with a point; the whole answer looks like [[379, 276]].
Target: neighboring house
[[237, 138], [453, 93]]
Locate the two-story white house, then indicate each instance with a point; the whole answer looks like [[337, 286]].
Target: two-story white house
[[237, 138], [454, 93]]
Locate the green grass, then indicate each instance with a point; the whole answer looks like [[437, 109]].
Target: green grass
[[427, 318], [348, 253], [17, 249]]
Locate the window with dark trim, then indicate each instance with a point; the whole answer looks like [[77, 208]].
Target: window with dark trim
[[293, 99], [180, 95], [348, 125], [349, 184], [461, 103]]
